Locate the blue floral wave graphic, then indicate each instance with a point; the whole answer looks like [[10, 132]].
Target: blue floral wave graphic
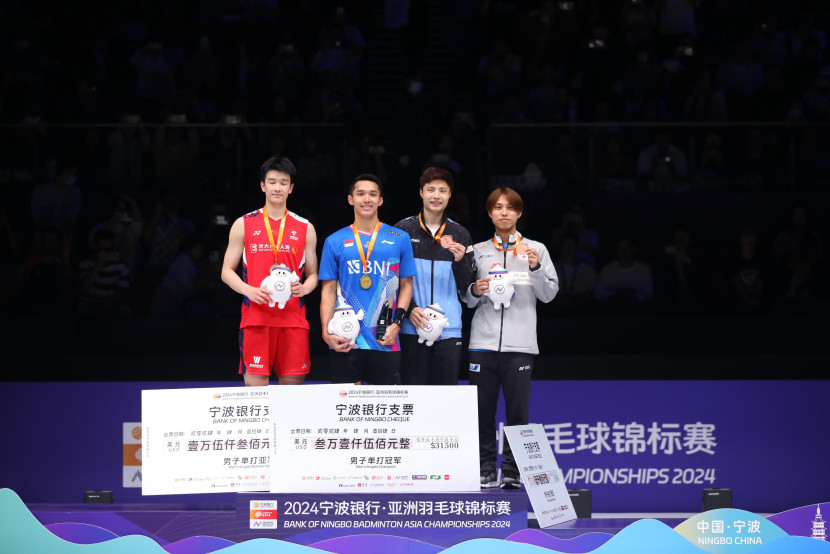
[[22, 533]]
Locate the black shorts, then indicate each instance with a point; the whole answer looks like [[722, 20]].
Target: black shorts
[[371, 366]]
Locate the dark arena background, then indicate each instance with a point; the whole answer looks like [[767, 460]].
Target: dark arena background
[[687, 137]]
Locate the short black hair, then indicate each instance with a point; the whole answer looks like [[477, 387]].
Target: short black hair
[[366, 177], [436, 174], [278, 163]]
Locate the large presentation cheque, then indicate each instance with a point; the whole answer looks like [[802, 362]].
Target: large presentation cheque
[[205, 440], [346, 438]]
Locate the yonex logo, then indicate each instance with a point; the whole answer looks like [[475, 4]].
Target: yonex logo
[[256, 233]]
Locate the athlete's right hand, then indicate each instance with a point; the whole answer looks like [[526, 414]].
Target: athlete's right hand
[[337, 343], [258, 295], [481, 286]]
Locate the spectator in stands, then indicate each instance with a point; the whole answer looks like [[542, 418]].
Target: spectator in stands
[[749, 275], [104, 280], [185, 279], [711, 165], [574, 222], [154, 80], [364, 156], [677, 17], [162, 237], [203, 76], [577, 279], [795, 235], [225, 147], [739, 77], [129, 145], [57, 203], [806, 280], [769, 43], [663, 163], [614, 168], [639, 23], [126, 222], [175, 153], [165, 231], [563, 165], [48, 267], [317, 166], [679, 276], [705, 103], [625, 284], [287, 72]]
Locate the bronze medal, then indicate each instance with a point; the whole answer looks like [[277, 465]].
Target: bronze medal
[[446, 241], [521, 248], [365, 281]]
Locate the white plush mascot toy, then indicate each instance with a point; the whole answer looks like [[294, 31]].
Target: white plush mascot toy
[[345, 323], [501, 286], [431, 332], [278, 284]]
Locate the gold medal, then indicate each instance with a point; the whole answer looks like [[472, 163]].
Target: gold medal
[[365, 281]]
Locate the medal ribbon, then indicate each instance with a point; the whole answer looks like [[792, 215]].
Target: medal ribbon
[[437, 235], [365, 257], [499, 246], [274, 248]]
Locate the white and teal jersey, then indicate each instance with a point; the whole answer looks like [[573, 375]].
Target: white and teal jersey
[[391, 260]]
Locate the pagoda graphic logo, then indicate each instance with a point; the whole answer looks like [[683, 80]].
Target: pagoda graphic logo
[[819, 531]]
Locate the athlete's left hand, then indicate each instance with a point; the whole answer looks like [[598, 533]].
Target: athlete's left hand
[[457, 250], [297, 289], [391, 335], [532, 258], [418, 317]]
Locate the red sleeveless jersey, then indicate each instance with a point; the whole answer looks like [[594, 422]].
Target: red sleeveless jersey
[[257, 259]]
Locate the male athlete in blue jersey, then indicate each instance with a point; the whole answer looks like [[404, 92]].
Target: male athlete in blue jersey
[[369, 266]]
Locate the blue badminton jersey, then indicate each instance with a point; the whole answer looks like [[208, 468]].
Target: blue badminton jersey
[[391, 260]]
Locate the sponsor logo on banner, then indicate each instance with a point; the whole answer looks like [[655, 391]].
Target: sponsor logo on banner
[[419, 477], [131, 464], [263, 514]]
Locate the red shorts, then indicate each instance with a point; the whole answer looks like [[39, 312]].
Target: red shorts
[[283, 349]]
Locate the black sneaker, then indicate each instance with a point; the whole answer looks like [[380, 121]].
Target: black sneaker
[[488, 479], [510, 480]]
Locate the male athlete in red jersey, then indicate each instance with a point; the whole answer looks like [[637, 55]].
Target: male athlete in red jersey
[[270, 337]]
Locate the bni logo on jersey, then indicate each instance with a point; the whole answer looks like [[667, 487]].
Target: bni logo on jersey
[[375, 267]]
